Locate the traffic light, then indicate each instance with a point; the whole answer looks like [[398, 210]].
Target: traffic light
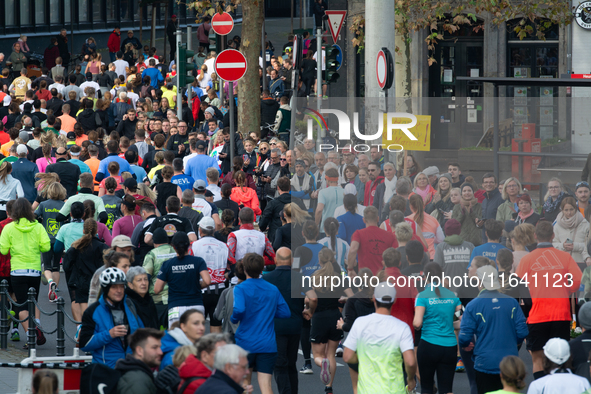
[[332, 65], [185, 67]]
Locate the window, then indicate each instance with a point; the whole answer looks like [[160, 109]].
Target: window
[[54, 12], [111, 11], [68, 11], [83, 10], [25, 12], [40, 12], [9, 13]]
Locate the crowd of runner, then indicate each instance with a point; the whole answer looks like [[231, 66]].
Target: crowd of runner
[[140, 214]]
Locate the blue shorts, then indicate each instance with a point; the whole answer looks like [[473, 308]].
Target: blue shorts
[[262, 362]]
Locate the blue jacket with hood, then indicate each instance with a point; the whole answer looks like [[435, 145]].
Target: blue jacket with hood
[[490, 316], [172, 340], [94, 334]]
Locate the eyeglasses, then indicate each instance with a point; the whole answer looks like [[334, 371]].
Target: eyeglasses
[[272, 144], [283, 159], [512, 186], [553, 187], [182, 127]]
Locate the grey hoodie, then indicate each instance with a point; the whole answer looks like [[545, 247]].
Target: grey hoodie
[[453, 255]]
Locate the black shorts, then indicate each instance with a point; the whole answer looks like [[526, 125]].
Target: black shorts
[[324, 326], [21, 286], [210, 301], [81, 295], [262, 362], [540, 333], [51, 260]]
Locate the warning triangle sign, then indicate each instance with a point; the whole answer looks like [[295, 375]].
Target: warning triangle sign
[[335, 22]]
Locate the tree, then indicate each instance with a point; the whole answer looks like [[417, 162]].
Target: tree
[[253, 13]]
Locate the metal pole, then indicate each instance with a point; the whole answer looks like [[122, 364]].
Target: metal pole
[[232, 131], [264, 56], [496, 130], [4, 322], [305, 13], [179, 93], [293, 104], [222, 47], [318, 83], [61, 340], [165, 32], [153, 33], [292, 7], [189, 90], [301, 12], [72, 27], [32, 333]]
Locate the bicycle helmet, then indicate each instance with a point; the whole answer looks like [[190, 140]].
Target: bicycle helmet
[[112, 276]]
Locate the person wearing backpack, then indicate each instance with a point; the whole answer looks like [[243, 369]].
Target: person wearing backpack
[[136, 369], [107, 322]]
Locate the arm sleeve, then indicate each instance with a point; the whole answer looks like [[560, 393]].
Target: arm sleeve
[[467, 327], [350, 314], [239, 305], [4, 243], [116, 228], [282, 311], [89, 339], [278, 240], [220, 308], [351, 341]]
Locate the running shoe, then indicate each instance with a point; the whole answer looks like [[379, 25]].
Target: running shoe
[[52, 292], [15, 336], [77, 332], [40, 337], [324, 371], [44, 280], [307, 369], [339, 352], [328, 390], [460, 365]]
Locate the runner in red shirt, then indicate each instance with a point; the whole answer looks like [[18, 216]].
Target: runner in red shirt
[[369, 243]]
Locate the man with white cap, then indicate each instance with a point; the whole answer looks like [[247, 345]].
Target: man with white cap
[[216, 256], [559, 378], [490, 316], [208, 209], [379, 343], [433, 175]]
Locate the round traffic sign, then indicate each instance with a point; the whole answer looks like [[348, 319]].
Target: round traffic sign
[[222, 24], [230, 65], [381, 69]]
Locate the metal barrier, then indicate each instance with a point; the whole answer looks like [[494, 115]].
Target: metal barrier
[[6, 303], [68, 369]]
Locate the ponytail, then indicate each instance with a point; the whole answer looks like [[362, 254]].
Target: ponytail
[[5, 169], [90, 231], [331, 228]]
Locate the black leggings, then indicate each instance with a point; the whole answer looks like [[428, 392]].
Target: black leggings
[[440, 359]]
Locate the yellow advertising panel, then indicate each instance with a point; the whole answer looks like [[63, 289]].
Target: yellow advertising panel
[[422, 131]]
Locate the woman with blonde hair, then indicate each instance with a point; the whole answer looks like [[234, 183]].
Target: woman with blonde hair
[[203, 78], [510, 192], [94, 66], [423, 188], [570, 232], [10, 188], [553, 200], [47, 159], [466, 212], [441, 205], [522, 238]]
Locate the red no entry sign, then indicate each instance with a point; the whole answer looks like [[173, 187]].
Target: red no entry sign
[[381, 69], [230, 65], [222, 24]]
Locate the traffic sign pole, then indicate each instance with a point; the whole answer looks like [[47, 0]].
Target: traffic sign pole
[[189, 89], [318, 83], [179, 94], [232, 127]]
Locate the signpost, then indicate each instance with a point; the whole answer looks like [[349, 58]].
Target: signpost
[[335, 22], [385, 77], [222, 24], [230, 65]]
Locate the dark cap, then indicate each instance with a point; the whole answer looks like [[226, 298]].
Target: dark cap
[[131, 184], [201, 145], [159, 236], [452, 227], [208, 193], [28, 107], [89, 76], [71, 135]]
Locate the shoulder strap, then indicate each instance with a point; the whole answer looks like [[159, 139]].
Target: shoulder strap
[[187, 382]]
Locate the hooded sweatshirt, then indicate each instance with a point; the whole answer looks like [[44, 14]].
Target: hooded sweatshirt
[[172, 340], [25, 241], [453, 255], [370, 190], [137, 377], [191, 368]]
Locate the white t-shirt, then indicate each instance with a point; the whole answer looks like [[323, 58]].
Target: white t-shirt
[[92, 84], [120, 66], [379, 341], [340, 210], [134, 98], [558, 383], [210, 69], [202, 206], [323, 59]]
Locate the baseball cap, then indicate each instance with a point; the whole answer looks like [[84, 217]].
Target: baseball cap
[[208, 193], [121, 241], [173, 16], [385, 293], [21, 149], [350, 189], [431, 171], [489, 276], [24, 135], [207, 223], [71, 135], [130, 183], [159, 236], [6, 100], [557, 350], [199, 185], [89, 76], [201, 145]]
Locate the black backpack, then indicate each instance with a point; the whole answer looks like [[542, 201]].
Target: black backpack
[[99, 379]]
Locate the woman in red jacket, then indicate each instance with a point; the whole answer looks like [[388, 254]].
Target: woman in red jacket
[[198, 367], [244, 196]]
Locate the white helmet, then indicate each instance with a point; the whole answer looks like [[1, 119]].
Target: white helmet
[[112, 276]]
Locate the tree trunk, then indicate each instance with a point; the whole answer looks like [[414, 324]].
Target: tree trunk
[[249, 102]]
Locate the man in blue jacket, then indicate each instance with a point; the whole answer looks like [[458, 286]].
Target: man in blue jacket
[[154, 74], [492, 200], [107, 323], [491, 316], [256, 333]]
